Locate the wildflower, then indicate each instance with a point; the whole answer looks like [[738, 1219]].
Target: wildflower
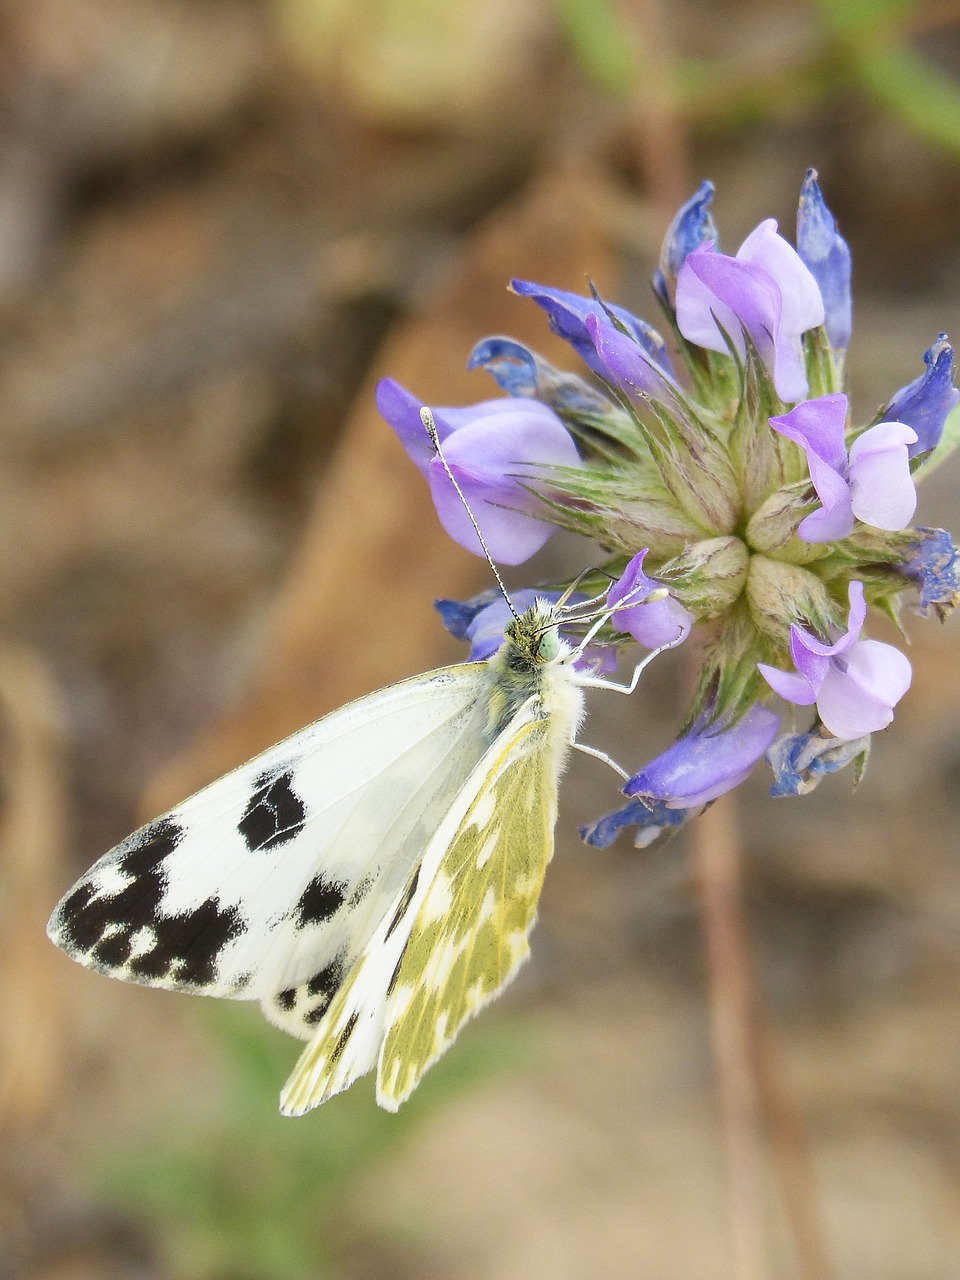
[[654, 618], [765, 293], [800, 761], [827, 255], [496, 449], [872, 484], [855, 683], [925, 403], [705, 762], [732, 494]]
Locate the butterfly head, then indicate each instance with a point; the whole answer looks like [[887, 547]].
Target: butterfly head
[[533, 637]]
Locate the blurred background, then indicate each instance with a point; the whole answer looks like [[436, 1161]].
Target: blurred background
[[220, 222]]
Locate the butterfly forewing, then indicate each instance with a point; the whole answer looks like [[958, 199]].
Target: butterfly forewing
[[277, 874]]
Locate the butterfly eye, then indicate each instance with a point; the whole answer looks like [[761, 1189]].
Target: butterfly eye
[[549, 645]]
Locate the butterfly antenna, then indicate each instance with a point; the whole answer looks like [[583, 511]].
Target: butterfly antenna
[[426, 417]]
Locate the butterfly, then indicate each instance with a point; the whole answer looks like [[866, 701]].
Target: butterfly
[[371, 880]]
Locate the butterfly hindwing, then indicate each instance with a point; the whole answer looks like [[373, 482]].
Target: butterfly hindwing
[[464, 914], [471, 933], [267, 883]]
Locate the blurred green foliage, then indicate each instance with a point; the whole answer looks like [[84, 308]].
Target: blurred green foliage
[[251, 1195], [868, 45]]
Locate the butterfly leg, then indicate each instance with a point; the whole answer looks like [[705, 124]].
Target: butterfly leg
[[598, 682], [600, 755]]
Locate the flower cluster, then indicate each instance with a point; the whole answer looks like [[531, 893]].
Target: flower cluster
[[730, 491]]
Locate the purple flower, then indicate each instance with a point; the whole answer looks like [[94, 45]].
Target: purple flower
[[625, 362], [495, 450], [651, 819], [707, 761], [800, 761], [692, 225], [935, 568], [765, 292], [827, 254], [872, 484], [855, 683], [484, 619], [567, 314], [522, 372], [925, 403], [652, 623]]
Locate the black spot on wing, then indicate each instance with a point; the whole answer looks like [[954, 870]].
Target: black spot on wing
[[101, 922], [322, 987], [320, 900], [286, 999], [274, 813], [404, 904], [187, 945], [336, 1052]]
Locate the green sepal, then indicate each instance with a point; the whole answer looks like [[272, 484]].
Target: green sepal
[[824, 366], [780, 594], [708, 576], [730, 683]]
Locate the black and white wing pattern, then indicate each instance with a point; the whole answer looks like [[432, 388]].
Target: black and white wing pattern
[[270, 882]]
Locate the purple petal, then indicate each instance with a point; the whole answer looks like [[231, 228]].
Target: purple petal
[[692, 226], [624, 362], [706, 762], [925, 403], [856, 617], [818, 426], [654, 623], [882, 490], [651, 818], [567, 312], [935, 568], [790, 686], [800, 761], [802, 304], [860, 698], [522, 372], [827, 255], [492, 459], [715, 291]]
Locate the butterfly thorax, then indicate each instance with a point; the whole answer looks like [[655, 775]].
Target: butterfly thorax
[[533, 662]]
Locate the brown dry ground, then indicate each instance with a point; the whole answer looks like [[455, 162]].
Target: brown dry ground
[[209, 538]]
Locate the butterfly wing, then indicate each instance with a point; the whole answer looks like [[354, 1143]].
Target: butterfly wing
[[455, 935], [274, 877]]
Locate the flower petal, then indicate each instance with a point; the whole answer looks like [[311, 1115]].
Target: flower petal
[[860, 699], [624, 362], [827, 255], [882, 490], [567, 312], [817, 426], [925, 403], [692, 226], [707, 761], [802, 303], [789, 684], [715, 291], [494, 458]]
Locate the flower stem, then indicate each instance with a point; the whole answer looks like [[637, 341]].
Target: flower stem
[[732, 1014]]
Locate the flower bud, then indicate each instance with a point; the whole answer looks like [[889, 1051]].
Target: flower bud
[[708, 576], [779, 594]]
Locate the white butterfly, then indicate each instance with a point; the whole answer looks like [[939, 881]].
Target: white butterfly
[[373, 879]]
